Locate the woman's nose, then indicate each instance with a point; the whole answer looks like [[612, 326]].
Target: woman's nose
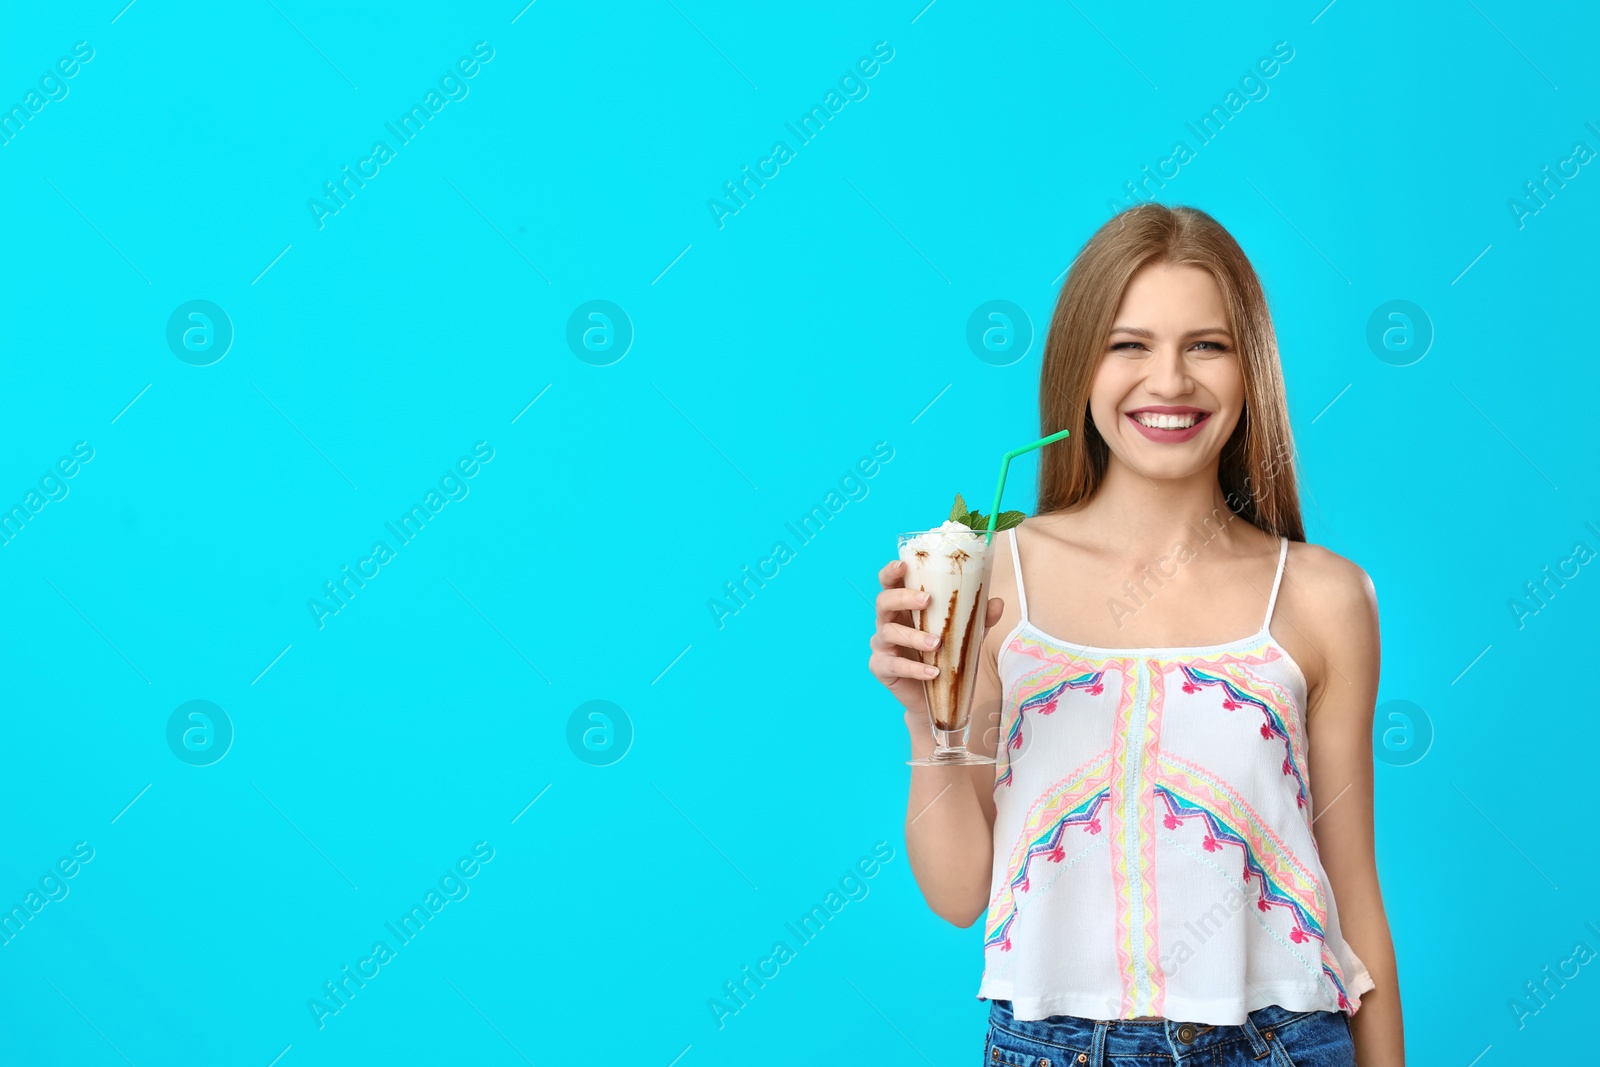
[[1168, 375]]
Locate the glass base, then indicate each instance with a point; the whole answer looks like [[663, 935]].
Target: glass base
[[952, 757], [950, 750]]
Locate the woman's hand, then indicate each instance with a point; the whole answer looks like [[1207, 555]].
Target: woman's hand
[[897, 646]]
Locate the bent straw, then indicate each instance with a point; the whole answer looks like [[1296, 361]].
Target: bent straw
[[1005, 464]]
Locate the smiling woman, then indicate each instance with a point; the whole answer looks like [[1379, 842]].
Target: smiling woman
[[1156, 873]]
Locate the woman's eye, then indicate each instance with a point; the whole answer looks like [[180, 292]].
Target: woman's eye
[[1209, 346]]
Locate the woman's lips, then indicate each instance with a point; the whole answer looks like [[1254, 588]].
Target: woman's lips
[[1169, 436]]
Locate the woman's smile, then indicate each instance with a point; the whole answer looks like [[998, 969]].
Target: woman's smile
[[1168, 424]]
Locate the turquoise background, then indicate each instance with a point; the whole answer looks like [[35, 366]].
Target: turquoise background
[[768, 356]]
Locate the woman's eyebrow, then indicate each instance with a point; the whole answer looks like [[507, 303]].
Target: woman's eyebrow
[[1139, 331]]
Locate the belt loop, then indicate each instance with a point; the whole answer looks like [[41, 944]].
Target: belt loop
[[1097, 1052], [1258, 1044]]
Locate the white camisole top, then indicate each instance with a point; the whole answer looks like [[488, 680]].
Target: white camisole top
[[1153, 852]]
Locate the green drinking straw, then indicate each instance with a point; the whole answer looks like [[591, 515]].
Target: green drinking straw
[[1005, 464]]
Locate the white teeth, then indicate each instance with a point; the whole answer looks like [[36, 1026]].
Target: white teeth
[[1167, 422]]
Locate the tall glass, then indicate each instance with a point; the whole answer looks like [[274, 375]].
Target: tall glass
[[952, 565]]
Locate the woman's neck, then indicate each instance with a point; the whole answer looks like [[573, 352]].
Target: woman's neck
[[1142, 515]]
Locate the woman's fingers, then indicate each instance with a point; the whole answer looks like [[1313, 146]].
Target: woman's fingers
[[895, 596], [888, 667], [892, 601], [894, 633], [893, 642], [997, 607]]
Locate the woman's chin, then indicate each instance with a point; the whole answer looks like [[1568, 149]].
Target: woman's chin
[[1168, 462]]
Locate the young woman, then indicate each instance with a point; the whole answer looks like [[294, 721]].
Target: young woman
[[1178, 691]]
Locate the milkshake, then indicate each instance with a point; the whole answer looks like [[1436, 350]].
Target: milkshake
[[952, 565]]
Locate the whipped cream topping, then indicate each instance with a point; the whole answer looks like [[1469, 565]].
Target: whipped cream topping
[[946, 537]]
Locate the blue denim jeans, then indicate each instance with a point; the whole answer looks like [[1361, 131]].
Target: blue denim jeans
[[1269, 1035]]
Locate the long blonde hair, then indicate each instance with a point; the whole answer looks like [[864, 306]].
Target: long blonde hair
[[1256, 469]]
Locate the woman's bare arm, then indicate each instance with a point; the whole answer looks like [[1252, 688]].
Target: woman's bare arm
[[950, 812], [1339, 728]]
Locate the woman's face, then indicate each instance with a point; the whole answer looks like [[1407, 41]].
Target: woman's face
[[1169, 389]]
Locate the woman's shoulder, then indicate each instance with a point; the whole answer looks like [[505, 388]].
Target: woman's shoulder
[[1029, 534], [1328, 576], [1054, 535], [1031, 528], [1330, 597], [1060, 525]]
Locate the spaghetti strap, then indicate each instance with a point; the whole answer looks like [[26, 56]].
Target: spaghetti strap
[[1016, 565], [1283, 556]]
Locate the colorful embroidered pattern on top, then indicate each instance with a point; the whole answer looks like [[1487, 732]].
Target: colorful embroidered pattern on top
[[1133, 840], [1039, 693], [1134, 781], [1237, 693], [1282, 880], [1075, 801], [1043, 703]]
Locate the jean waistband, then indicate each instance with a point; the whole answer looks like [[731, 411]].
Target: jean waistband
[[1124, 1037]]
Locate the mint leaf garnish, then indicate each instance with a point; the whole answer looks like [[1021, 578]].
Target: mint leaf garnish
[[973, 519]]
